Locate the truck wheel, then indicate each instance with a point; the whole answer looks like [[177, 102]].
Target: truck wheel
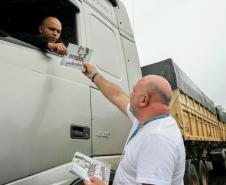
[[112, 176], [190, 176], [203, 173], [224, 164], [219, 165]]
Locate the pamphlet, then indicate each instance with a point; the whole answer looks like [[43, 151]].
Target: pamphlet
[[86, 167], [76, 56]]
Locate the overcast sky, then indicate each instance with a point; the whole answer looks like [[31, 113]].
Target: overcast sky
[[191, 32]]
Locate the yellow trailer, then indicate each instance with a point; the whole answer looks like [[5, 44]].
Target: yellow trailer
[[195, 121], [202, 124]]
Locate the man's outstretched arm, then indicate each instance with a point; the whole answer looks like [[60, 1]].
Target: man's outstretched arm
[[111, 91]]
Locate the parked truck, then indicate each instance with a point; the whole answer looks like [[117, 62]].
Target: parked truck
[[49, 111], [202, 125]]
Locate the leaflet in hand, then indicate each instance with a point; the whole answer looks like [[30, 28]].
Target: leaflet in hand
[[76, 56], [86, 167]]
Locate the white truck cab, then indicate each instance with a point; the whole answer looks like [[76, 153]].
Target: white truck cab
[[49, 111]]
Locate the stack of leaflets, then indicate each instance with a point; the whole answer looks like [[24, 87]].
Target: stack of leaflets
[[86, 167], [76, 56]]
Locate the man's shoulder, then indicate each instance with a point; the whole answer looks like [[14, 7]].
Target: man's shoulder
[[37, 40], [26, 34], [166, 128]]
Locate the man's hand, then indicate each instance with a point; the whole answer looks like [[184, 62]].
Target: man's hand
[[90, 70], [94, 181], [110, 90], [57, 48]]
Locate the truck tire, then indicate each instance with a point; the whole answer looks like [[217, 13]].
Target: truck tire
[[219, 165], [190, 176], [202, 173]]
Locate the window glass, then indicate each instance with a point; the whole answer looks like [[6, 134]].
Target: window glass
[[104, 39]]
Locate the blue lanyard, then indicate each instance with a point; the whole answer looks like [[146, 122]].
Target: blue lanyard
[[145, 123]]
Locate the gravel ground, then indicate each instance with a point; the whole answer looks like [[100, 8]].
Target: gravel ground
[[217, 178]]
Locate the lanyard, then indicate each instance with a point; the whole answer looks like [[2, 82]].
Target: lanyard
[[145, 123]]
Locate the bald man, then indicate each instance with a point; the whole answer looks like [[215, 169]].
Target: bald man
[[154, 153], [50, 31]]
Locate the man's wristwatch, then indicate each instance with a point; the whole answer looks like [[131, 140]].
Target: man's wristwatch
[[93, 77]]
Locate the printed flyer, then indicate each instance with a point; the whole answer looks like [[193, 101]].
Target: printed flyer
[[77, 55], [86, 167]]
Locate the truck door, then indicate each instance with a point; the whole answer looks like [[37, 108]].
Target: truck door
[[41, 101], [43, 105], [109, 126]]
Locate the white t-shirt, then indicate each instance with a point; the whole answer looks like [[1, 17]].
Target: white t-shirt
[[155, 155]]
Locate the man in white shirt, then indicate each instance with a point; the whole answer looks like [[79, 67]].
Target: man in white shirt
[[154, 153]]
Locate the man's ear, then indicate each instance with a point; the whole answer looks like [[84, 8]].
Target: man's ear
[[144, 101], [40, 29]]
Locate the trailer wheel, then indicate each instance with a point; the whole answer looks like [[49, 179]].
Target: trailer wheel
[[203, 173], [224, 164], [219, 165], [190, 176]]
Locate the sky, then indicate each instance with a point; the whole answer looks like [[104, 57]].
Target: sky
[[191, 32]]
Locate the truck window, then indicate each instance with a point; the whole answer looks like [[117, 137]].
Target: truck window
[[25, 17], [109, 46]]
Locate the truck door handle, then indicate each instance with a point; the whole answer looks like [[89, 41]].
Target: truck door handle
[[79, 132]]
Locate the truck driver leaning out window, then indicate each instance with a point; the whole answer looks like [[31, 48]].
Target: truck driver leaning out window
[[48, 37]]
